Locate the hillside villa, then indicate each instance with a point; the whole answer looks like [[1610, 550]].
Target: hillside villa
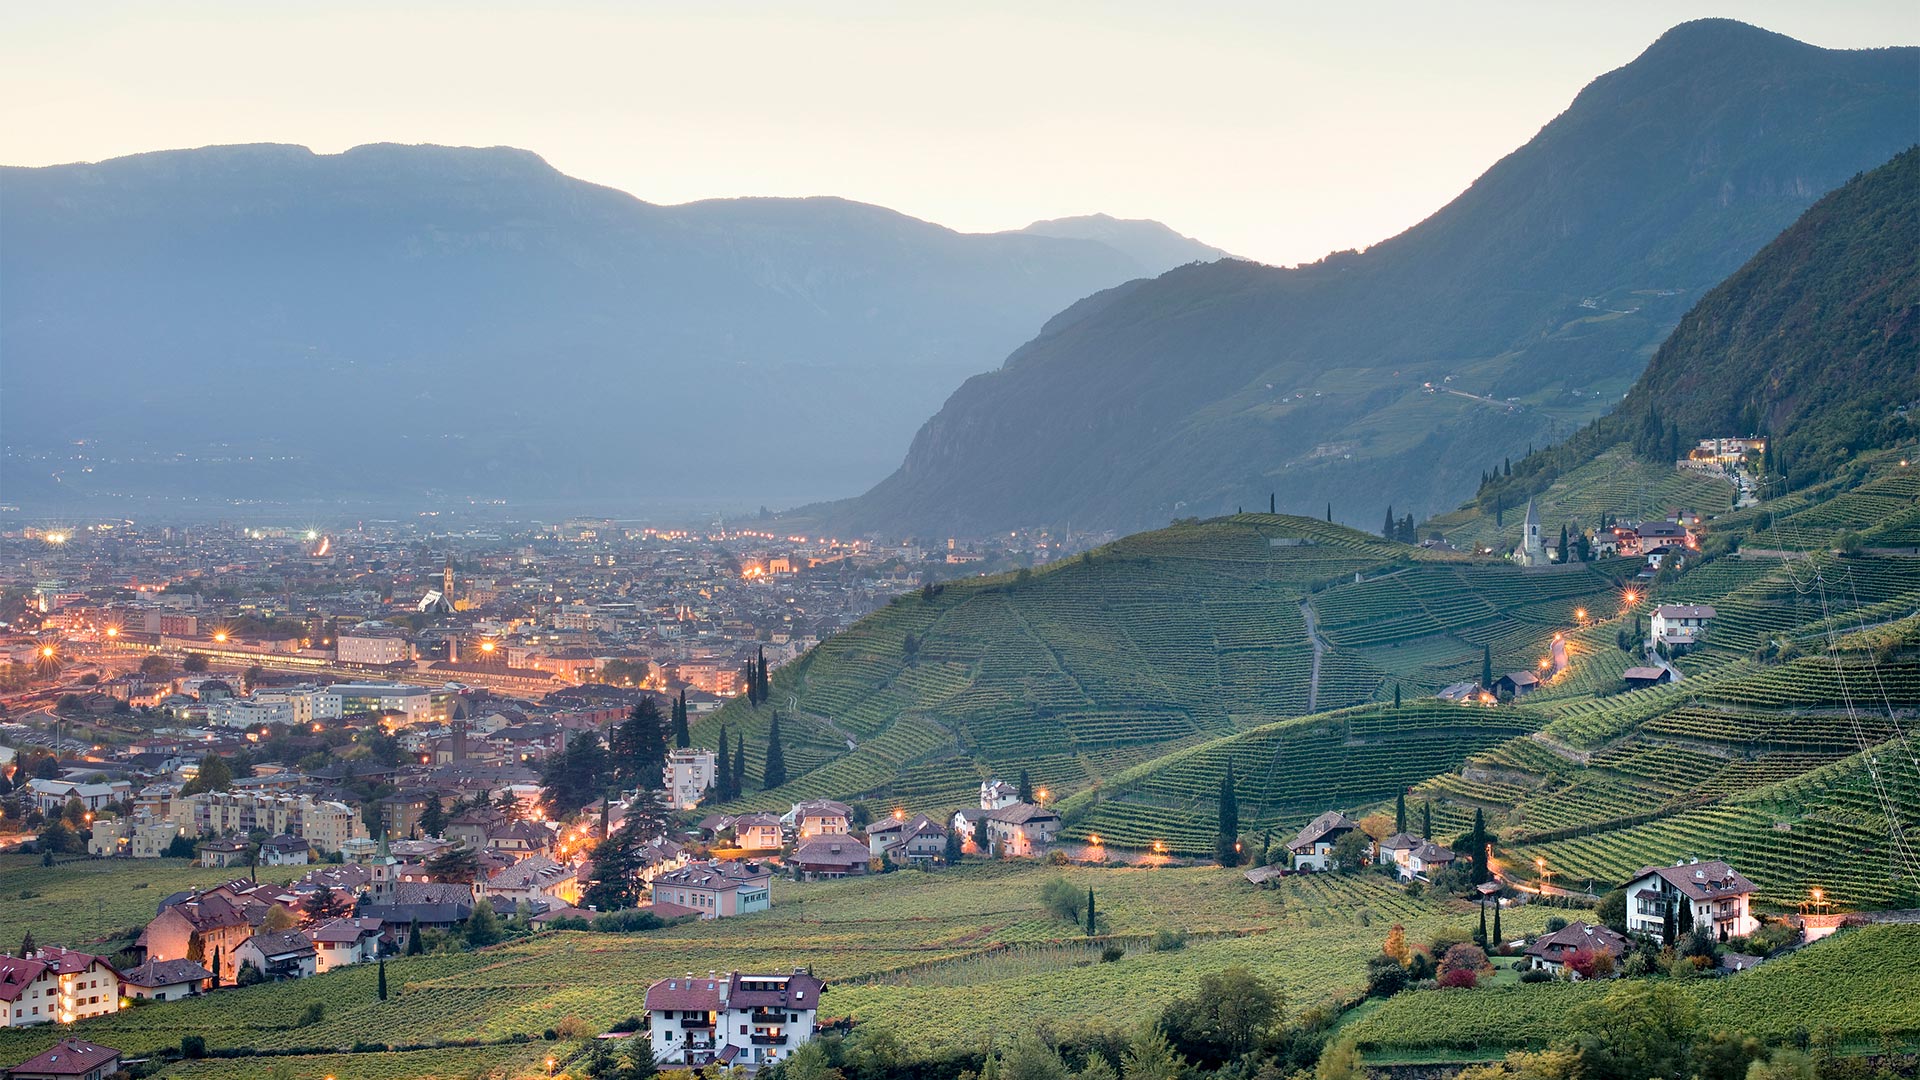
[[1715, 894], [1550, 952], [819, 817], [1415, 856], [1313, 848], [914, 841], [1678, 626], [731, 1019]]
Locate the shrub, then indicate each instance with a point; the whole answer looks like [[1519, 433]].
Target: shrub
[[193, 1046], [1167, 940], [1556, 924], [1063, 898], [1385, 977], [1460, 978], [315, 1012], [1111, 953], [1463, 957], [573, 1027], [1536, 975]]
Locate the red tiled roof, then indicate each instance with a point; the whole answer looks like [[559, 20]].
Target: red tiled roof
[[69, 1057], [695, 995], [16, 975]]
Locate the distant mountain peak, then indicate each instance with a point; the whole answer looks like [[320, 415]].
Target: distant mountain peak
[[1155, 246]]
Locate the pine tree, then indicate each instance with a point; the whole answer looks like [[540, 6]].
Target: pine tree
[[1089, 911], [682, 736], [383, 979], [26, 945], [723, 769], [1486, 667], [433, 820], [1400, 812], [774, 772], [1224, 844]]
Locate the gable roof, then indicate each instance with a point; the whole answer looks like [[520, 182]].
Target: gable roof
[[688, 993], [1700, 880], [165, 973], [16, 974], [1576, 936], [1333, 821], [68, 1057]]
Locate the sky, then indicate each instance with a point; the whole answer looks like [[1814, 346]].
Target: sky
[[1277, 130]]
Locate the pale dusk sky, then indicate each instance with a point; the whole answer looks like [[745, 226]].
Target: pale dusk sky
[[1279, 131]]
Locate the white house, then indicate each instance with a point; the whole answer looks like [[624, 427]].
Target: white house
[[995, 794], [731, 1019], [56, 985], [343, 942], [1313, 848], [1016, 830], [1679, 625], [279, 954], [50, 796], [1716, 895], [819, 817], [713, 889]]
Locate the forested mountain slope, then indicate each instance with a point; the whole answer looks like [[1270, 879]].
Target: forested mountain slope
[[1511, 316]]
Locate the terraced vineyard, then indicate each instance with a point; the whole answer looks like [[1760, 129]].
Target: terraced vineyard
[[1615, 483]]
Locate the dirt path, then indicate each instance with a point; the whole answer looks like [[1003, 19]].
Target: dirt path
[[1319, 650]]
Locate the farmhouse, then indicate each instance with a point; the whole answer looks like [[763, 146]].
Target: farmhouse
[[1018, 830], [829, 857], [1550, 952], [731, 1019], [164, 980], [820, 817], [714, 889], [343, 942], [1679, 625], [1710, 894], [916, 840], [280, 954], [70, 1059], [1313, 848]]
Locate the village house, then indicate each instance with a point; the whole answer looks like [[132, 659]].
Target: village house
[[751, 832], [56, 985], [713, 890], [1679, 626], [731, 1019], [819, 817], [343, 942], [535, 880], [995, 794], [520, 839], [51, 796], [687, 776], [828, 857], [1313, 848], [1550, 952], [1414, 857], [212, 924], [230, 851], [69, 1059], [914, 841], [280, 954], [1715, 894], [164, 980], [1021, 830], [284, 851]]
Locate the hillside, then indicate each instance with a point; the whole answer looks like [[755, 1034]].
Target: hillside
[[1529, 303], [420, 297], [1149, 243], [1082, 669], [1813, 342]]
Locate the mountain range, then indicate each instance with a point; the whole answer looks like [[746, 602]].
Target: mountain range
[[1398, 375], [405, 322]]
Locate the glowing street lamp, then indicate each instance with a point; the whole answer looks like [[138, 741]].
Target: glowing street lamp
[[56, 538], [220, 636]]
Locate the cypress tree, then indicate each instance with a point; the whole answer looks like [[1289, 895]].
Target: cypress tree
[[1480, 935], [723, 769], [1391, 526], [383, 979], [981, 842], [1089, 911], [1026, 787], [1229, 820], [955, 848], [1563, 543], [1396, 695], [682, 737], [414, 946], [1486, 667], [1686, 916], [1426, 820], [1329, 513], [774, 773], [1666, 926], [1400, 812], [1273, 502], [1497, 936], [1481, 872], [739, 765]]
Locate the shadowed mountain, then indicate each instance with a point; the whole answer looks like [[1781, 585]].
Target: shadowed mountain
[[1516, 313], [395, 321]]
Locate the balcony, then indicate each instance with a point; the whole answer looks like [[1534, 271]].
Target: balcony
[[769, 1040], [702, 1023]]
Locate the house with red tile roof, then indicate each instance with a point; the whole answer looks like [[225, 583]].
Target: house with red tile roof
[[714, 889], [69, 1059], [731, 1019], [1716, 895], [56, 985]]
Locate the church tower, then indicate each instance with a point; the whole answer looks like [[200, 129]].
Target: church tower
[[446, 581], [1533, 548]]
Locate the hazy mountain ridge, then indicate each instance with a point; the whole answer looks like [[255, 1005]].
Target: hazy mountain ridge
[[1552, 280], [492, 322]]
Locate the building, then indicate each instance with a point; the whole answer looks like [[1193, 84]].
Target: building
[[51, 796], [56, 985], [714, 889], [1727, 451], [1550, 952], [134, 837], [688, 776], [1517, 683], [69, 1059], [757, 832], [407, 704], [731, 1019], [827, 857], [225, 852], [821, 817], [374, 644], [1021, 830], [1313, 848], [1679, 626], [284, 851], [324, 824], [1713, 893], [164, 980], [1640, 678], [344, 942], [212, 924], [918, 840], [533, 880], [1533, 547], [995, 794], [280, 954]]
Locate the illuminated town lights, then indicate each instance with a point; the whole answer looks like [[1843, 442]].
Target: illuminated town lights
[[56, 538], [220, 636], [46, 651]]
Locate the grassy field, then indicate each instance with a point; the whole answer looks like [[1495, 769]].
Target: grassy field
[[945, 958], [80, 901], [1856, 984]]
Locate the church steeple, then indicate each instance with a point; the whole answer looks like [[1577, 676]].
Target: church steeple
[[446, 581]]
